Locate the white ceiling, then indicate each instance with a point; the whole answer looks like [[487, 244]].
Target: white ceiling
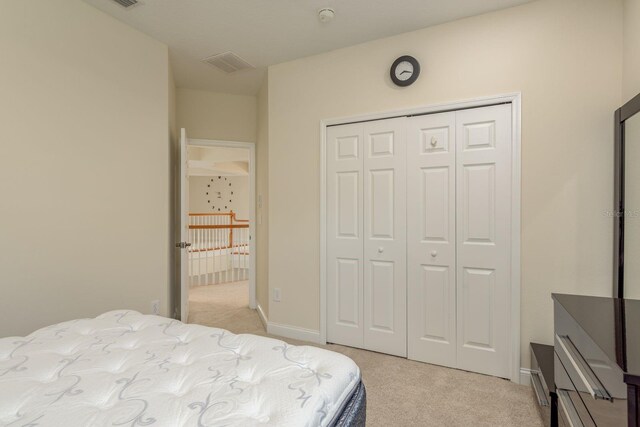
[[267, 32]]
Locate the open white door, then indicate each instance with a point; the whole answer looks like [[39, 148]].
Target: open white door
[[184, 227]]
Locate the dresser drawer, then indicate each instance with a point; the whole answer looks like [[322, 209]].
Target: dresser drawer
[[595, 379], [542, 383], [570, 404]]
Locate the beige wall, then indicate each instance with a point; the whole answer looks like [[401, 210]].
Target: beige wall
[[84, 165], [173, 125], [211, 115], [565, 58], [262, 194], [631, 73]]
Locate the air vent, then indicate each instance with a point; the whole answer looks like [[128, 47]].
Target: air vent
[[126, 3], [228, 62]]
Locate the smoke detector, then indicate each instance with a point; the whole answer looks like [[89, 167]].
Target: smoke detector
[[326, 14], [228, 62]]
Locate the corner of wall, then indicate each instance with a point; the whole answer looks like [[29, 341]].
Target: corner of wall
[[631, 50], [262, 202]]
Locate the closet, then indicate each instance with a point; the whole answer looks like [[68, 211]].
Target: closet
[[418, 243]]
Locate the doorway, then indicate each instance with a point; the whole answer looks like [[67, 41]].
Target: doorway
[[217, 222]]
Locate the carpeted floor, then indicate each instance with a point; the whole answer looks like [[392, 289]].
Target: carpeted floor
[[400, 392]]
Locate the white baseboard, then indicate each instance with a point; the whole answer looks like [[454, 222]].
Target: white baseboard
[[287, 331], [310, 335], [262, 316], [293, 332], [525, 376]]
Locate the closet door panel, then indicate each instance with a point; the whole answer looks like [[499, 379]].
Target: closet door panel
[[382, 305], [345, 235], [431, 242], [434, 203], [382, 193], [483, 143], [348, 295], [385, 237]]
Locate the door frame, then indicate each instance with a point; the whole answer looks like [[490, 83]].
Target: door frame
[[251, 146], [515, 99]]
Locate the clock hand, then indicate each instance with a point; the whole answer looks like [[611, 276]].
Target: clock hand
[[405, 71]]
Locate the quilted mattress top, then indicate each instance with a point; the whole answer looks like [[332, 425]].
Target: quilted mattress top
[[124, 368]]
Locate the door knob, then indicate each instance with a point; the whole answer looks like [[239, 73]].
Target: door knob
[[434, 254], [380, 249], [434, 141]]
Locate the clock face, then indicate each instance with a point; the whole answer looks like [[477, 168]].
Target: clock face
[[219, 194], [405, 70]]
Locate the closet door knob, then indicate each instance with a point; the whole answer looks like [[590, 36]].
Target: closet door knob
[[380, 249], [434, 254]]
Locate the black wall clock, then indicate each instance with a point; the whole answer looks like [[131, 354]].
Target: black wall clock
[[219, 194], [405, 70]]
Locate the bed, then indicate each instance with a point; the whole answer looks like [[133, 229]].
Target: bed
[[124, 368]]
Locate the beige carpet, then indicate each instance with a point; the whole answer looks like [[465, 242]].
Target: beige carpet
[[400, 392]]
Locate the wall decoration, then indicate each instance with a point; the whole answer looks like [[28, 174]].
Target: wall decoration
[[404, 71], [219, 194]]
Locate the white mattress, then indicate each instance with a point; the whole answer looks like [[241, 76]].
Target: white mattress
[[125, 368]]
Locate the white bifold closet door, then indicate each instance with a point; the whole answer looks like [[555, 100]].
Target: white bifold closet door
[[431, 238], [345, 240], [483, 187], [366, 236], [459, 175], [418, 237], [385, 244]]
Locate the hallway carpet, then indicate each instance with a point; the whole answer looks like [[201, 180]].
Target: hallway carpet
[[400, 392]]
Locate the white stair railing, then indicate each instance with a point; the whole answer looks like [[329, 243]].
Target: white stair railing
[[219, 249]]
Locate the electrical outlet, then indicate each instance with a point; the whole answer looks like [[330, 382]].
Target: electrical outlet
[[276, 294], [155, 306]]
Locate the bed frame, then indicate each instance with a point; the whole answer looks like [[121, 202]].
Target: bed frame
[[354, 413]]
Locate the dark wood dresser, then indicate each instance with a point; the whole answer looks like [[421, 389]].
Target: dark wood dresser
[[597, 360], [543, 383]]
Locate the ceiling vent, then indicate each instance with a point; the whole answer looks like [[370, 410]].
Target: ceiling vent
[[126, 3], [228, 62]]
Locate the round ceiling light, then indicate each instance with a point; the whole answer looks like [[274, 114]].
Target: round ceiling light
[[326, 14]]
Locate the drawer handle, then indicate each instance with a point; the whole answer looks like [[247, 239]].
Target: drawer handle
[[569, 410], [538, 389], [591, 382]]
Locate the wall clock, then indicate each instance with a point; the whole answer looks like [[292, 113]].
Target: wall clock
[[405, 70], [219, 194]]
